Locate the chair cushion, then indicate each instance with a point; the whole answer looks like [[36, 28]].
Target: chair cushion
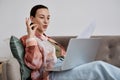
[[11, 70], [17, 50]]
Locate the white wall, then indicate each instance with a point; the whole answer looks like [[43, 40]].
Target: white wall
[[68, 17]]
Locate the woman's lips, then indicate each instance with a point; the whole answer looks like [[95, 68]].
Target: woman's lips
[[45, 26]]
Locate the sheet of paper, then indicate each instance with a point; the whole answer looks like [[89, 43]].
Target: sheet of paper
[[87, 32]]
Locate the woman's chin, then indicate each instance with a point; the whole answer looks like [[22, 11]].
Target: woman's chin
[[44, 30]]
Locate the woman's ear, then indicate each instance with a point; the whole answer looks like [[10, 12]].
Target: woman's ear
[[31, 18]]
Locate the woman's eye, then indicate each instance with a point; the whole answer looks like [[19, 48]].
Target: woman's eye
[[41, 17]]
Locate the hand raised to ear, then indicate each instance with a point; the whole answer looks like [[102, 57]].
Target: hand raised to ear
[[31, 28]]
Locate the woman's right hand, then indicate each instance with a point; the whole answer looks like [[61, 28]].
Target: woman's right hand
[[31, 28]]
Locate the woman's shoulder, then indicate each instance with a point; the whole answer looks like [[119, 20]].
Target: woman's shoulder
[[23, 39]]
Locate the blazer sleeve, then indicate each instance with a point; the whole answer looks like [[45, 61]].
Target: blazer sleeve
[[33, 54]]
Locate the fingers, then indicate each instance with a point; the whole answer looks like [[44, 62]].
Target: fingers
[[31, 26], [28, 21], [34, 27]]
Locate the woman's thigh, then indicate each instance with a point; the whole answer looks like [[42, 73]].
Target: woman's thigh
[[97, 70]]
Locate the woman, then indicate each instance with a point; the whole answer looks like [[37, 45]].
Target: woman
[[43, 53]]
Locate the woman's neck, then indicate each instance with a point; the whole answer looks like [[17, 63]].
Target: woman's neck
[[41, 36], [39, 33]]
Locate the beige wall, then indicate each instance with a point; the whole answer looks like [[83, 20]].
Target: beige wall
[[68, 17]]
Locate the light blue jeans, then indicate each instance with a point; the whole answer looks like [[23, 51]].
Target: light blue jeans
[[97, 70]]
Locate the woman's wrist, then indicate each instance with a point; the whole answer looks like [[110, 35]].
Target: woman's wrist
[[31, 36], [31, 42]]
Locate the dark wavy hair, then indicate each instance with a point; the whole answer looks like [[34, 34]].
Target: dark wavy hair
[[35, 8]]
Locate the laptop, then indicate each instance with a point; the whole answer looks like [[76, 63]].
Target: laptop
[[79, 51]]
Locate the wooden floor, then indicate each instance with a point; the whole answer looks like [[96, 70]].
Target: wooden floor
[[0, 68], [0, 71]]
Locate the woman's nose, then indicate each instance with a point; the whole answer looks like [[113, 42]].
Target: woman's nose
[[45, 21]]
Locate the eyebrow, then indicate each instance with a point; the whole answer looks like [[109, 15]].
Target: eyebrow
[[43, 15]]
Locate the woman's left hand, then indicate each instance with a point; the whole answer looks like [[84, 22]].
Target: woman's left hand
[[31, 29]]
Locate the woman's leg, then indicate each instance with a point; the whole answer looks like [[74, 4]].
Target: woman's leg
[[97, 70]]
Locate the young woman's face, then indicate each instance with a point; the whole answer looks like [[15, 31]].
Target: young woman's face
[[41, 18]]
